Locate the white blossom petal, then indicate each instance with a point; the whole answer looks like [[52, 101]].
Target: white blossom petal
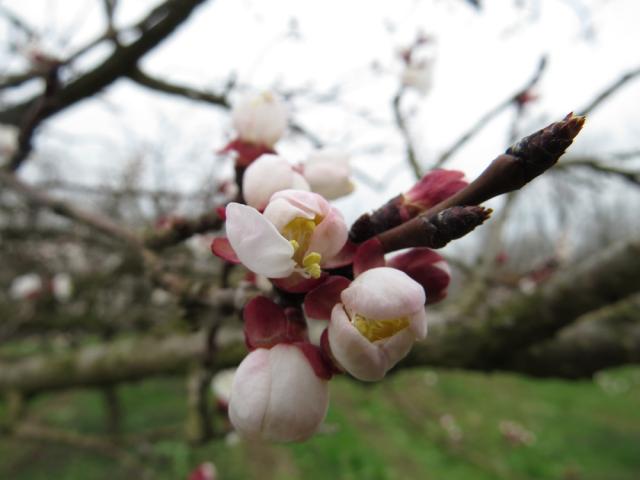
[[257, 243], [382, 293]]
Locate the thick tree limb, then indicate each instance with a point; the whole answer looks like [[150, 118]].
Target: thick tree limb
[[604, 338], [491, 339], [114, 362]]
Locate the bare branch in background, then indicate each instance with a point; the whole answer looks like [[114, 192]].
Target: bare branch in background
[[404, 131], [491, 114], [609, 91], [595, 165]]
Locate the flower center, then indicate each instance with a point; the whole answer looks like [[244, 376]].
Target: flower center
[[379, 329], [299, 231]]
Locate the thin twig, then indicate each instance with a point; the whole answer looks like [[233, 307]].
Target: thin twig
[[610, 90], [404, 131], [490, 115]]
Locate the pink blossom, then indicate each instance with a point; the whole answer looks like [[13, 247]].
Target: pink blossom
[[380, 317], [299, 232]]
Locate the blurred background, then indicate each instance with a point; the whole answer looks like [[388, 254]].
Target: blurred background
[[116, 321]]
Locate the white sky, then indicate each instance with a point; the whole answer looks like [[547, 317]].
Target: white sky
[[481, 59]]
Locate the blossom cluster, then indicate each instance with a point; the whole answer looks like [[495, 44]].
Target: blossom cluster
[[337, 306]]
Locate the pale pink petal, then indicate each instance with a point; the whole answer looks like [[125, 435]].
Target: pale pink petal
[[267, 175], [257, 243], [329, 236], [280, 212], [298, 399], [308, 201], [353, 352], [396, 347], [383, 293], [250, 392], [418, 324]]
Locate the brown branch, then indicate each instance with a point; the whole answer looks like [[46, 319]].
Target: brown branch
[[522, 162], [491, 114], [159, 85], [595, 165], [154, 28], [91, 219], [182, 229], [404, 131], [191, 93]]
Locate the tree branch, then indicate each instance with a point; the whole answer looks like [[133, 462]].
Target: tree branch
[[154, 28]]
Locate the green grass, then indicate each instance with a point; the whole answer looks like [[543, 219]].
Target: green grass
[[422, 424]]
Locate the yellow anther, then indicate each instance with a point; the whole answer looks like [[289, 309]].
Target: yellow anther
[[299, 230], [311, 264], [311, 259], [379, 329]]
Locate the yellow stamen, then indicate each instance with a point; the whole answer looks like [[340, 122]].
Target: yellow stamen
[[379, 329], [299, 230], [311, 264]]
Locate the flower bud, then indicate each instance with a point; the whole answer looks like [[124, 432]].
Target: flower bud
[[418, 76], [267, 175], [328, 173], [381, 315], [276, 395], [260, 119]]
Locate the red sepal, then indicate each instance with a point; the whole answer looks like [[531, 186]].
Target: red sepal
[[327, 356], [296, 283], [246, 152], [434, 187], [221, 247], [319, 302], [316, 360], [266, 324], [427, 268], [222, 212], [344, 256], [369, 254]]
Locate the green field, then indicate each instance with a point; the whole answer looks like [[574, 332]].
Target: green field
[[422, 424]]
